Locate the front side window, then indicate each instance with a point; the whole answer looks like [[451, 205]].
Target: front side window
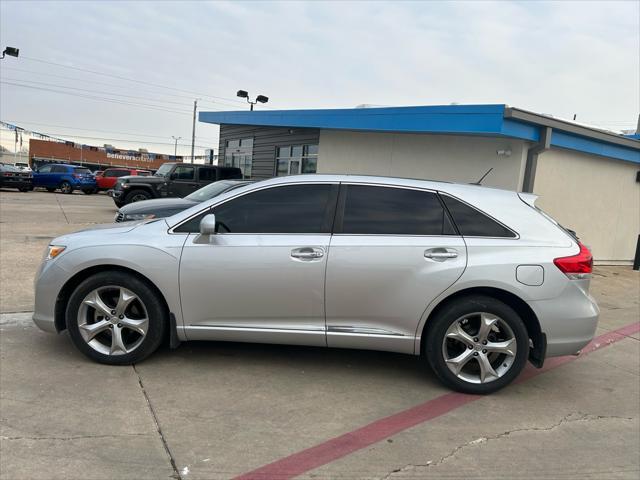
[[472, 222], [286, 209], [372, 210], [183, 172], [58, 169], [296, 159], [45, 169]]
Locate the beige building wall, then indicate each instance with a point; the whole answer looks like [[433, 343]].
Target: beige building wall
[[436, 157], [599, 198]]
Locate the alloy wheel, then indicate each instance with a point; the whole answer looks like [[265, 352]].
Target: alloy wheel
[[113, 320], [65, 187], [479, 347], [139, 198]]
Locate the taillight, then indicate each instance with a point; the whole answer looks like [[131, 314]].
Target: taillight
[[576, 266], [7, 174], [75, 175]]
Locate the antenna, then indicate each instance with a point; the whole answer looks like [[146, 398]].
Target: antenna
[[482, 177]]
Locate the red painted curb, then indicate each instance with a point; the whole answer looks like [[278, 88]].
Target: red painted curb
[[338, 447]]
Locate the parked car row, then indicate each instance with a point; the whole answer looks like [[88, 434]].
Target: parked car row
[[14, 177]]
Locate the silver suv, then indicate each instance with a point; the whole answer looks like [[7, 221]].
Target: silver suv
[[474, 279]]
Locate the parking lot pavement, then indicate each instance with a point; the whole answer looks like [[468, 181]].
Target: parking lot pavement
[[28, 222], [212, 410]]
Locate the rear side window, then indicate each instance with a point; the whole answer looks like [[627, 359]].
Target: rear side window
[[230, 173], [81, 171], [472, 222], [371, 210], [207, 174]]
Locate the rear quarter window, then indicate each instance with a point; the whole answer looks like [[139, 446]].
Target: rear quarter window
[[472, 222]]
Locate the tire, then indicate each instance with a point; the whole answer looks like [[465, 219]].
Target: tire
[[50, 189], [137, 195], [66, 188], [454, 334], [93, 334]]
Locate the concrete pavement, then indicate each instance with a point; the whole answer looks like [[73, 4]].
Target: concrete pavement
[[214, 410]]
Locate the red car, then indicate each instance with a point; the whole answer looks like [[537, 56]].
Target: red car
[[108, 179]]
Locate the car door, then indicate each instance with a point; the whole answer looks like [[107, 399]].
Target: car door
[[183, 181], [41, 177], [393, 251], [261, 277], [206, 175]]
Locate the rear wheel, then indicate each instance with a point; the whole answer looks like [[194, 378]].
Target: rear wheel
[[477, 345], [137, 196], [66, 188], [116, 318]]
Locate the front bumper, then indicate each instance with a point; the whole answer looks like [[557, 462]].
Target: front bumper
[[17, 183], [569, 320], [48, 283]]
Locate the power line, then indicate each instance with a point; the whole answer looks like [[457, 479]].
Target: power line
[[97, 130], [96, 91], [128, 79], [110, 100]]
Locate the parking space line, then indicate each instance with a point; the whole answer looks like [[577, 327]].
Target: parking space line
[[343, 445]]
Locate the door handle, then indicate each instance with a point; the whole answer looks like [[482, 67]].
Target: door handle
[[440, 254], [307, 253]]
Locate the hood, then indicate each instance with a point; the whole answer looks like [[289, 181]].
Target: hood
[[142, 179], [157, 204], [104, 228]]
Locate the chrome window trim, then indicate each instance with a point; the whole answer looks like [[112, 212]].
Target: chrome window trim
[[171, 231]]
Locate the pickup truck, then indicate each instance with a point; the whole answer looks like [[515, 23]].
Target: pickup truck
[[171, 180]]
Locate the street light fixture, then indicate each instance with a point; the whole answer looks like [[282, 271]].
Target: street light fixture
[[11, 51], [175, 148], [259, 98]]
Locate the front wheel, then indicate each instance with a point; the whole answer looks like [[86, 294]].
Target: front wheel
[[477, 345], [116, 318], [66, 188], [137, 195]]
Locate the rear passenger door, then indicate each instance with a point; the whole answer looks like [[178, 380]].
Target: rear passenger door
[[206, 175], [394, 250]]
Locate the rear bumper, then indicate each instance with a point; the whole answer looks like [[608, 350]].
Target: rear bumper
[[569, 321]]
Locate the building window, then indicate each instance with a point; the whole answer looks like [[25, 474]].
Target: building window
[[296, 159], [239, 154]]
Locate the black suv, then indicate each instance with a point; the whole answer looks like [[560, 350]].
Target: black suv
[[171, 180]]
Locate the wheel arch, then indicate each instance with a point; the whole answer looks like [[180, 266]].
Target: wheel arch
[[71, 284], [527, 314]]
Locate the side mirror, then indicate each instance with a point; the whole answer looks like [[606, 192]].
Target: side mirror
[[208, 225]]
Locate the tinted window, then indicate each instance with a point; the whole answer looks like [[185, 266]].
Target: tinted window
[[207, 174], [183, 173], [45, 169], [472, 223], [230, 173], [81, 171], [144, 173], [393, 211], [287, 209], [58, 169]]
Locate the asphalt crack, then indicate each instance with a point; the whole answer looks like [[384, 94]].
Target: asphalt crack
[[61, 209], [176, 472], [483, 440]]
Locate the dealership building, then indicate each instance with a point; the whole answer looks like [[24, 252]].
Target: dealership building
[[587, 178], [93, 157]]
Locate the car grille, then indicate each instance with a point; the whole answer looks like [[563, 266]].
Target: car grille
[[119, 217]]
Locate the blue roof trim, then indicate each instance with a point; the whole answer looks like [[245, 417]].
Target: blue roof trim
[[486, 120], [588, 145]]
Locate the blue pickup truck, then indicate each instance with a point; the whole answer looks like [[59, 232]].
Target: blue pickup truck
[[67, 178]]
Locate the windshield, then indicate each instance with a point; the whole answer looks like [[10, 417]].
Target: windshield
[[9, 168], [212, 190], [164, 170]]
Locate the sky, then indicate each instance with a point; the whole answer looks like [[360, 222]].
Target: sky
[[152, 59]]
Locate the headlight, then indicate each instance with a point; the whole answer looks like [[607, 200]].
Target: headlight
[[53, 251], [138, 216]]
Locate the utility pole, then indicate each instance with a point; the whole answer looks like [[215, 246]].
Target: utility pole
[[193, 129], [175, 147]]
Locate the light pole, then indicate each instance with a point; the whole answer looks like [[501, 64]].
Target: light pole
[[259, 98], [193, 129], [175, 147], [11, 51]]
